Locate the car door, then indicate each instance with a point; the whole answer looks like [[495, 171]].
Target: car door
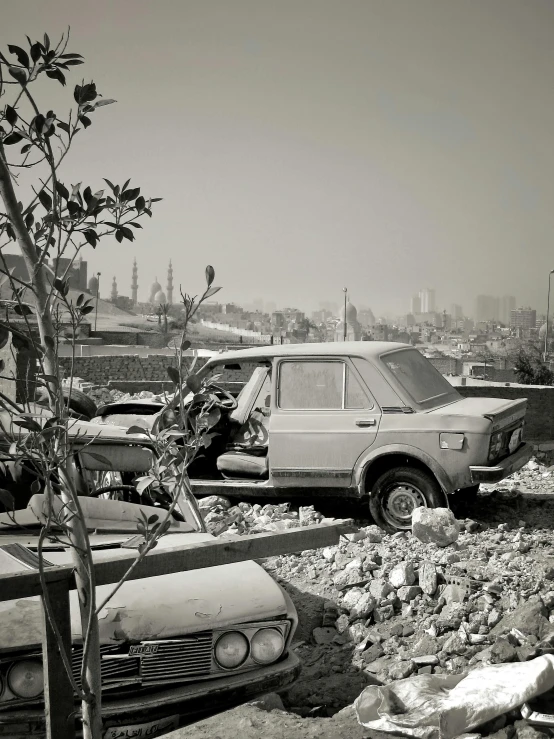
[[322, 418]]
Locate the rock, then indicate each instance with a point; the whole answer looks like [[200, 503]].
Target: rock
[[352, 597], [524, 731], [402, 574], [269, 702], [374, 652], [347, 578], [213, 501], [324, 634], [383, 613], [428, 577], [342, 623], [435, 526], [503, 651], [380, 588], [357, 632], [455, 645], [425, 659], [530, 618], [425, 646], [454, 593], [408, 592], [364, 606], [374, 534], [401, 670]]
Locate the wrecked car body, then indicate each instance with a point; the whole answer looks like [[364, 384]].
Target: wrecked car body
[[357, 419], [173, 646]]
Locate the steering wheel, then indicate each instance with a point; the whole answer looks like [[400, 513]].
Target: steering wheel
[[227, 402]]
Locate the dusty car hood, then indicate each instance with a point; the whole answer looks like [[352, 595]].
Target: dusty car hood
[[155, 607]]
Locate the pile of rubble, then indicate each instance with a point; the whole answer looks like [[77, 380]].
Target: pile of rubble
[[104, 395], [446, 598]]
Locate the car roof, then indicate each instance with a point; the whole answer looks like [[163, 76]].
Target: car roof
[[334, 349]]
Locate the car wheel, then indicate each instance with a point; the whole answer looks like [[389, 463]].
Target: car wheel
[[397, 492], [78, 402]]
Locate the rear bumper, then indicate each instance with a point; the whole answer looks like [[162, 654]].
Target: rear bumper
[[505, 468], [189, 702]]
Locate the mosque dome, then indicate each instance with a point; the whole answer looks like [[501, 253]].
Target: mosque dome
[[351, 313], [155, 287], [159, 298], [93, 285]]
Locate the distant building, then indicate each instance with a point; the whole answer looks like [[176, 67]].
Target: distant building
[[366, 317], [415, 305], [523, 318], [427, 297], [456, 312], [348, 328], [507, 305], [75, 269], [380, 332]]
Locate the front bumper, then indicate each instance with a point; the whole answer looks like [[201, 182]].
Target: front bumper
[[190, 702], [505, 468]]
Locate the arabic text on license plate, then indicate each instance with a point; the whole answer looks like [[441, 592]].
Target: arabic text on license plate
[[514, 440], [142, 731]]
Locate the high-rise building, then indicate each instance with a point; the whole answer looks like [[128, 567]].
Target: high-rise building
[[523, 318], [427, 297], [507, 305], [487, 308], [169, 290], [456, 312], [134, 284], [415, 305]]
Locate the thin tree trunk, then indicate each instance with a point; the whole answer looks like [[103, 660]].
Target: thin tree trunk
[[80, 546]]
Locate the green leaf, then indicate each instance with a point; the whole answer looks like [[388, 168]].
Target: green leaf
[[91, 236], [143, 483], [21, 54], [152, 519], [35, 486], [22, 310], [173, 374], [193, 383], [45, 200], [130, 194], [185, 345], [137, 430], [46, 42], [104, 101], [71, 55], [210, 274], [62, 190], [140, 203], [127, 233], [11, 115], [87, 309], [56, 74], [29, 220], [12, 138], [112, 186], [36, 51], [26, 148], [80, 299], [7, 499], [85, 120], [18, 74], [50, 343], [64, 126], [119, 235], [211, 291]]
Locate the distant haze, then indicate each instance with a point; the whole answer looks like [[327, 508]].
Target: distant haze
[[305, 145]]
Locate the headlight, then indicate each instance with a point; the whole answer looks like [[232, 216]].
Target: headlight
[[266, 646], [231, 650], [26, 678]]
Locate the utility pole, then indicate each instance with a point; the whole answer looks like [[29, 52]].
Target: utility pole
[[547, 314], [97, 299], [345, 291]]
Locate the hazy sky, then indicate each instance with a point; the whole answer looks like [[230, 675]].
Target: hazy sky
[[304, 145]]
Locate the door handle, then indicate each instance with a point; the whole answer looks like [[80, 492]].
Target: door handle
[[363, 423]]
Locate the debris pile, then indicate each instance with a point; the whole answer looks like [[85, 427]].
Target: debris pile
[[104, 395]]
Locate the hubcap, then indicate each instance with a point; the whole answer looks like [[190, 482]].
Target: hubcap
[[400, 503]]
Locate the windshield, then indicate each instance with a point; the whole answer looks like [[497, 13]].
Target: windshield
[[423, 383]]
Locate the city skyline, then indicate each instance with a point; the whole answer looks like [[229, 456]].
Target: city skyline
[[347, 161]]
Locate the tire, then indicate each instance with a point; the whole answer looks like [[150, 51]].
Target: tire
[[79, 402], [397, 492]]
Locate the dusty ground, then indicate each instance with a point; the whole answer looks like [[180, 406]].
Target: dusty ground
[[364, 618]]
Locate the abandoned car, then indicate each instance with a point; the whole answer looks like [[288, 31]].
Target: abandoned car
[[172, 647], [362, 419]]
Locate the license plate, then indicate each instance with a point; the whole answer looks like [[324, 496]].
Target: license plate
[[515, 440], [141, 731]]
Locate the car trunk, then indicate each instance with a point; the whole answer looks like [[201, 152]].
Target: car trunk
[[507, 419]]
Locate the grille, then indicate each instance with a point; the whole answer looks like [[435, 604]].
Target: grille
[[176, 659], [116, 667]]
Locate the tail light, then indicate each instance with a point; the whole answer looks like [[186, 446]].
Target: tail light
[[495, 446]]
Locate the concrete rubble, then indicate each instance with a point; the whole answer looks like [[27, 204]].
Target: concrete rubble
[[379, 608]]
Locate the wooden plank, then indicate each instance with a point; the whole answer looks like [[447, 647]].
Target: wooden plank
[[58, 693], [182, 558]]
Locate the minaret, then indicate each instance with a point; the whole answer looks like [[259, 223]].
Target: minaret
[[134, 284], [169, 290], [114, 290]]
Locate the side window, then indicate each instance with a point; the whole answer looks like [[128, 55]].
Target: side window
[[311, 385], [355, 396], [319, 385]]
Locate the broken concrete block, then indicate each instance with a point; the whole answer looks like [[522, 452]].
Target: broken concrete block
[[428, 577], [435, 526], [402, 574]]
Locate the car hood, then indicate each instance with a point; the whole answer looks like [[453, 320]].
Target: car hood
[[153, 608]]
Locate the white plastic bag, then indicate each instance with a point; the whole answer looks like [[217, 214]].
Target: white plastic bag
[[445, 706]]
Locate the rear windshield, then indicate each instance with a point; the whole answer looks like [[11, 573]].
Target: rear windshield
[[417, 376]]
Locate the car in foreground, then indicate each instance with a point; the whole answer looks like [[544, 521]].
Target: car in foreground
[[173, 647], [369, 420]]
